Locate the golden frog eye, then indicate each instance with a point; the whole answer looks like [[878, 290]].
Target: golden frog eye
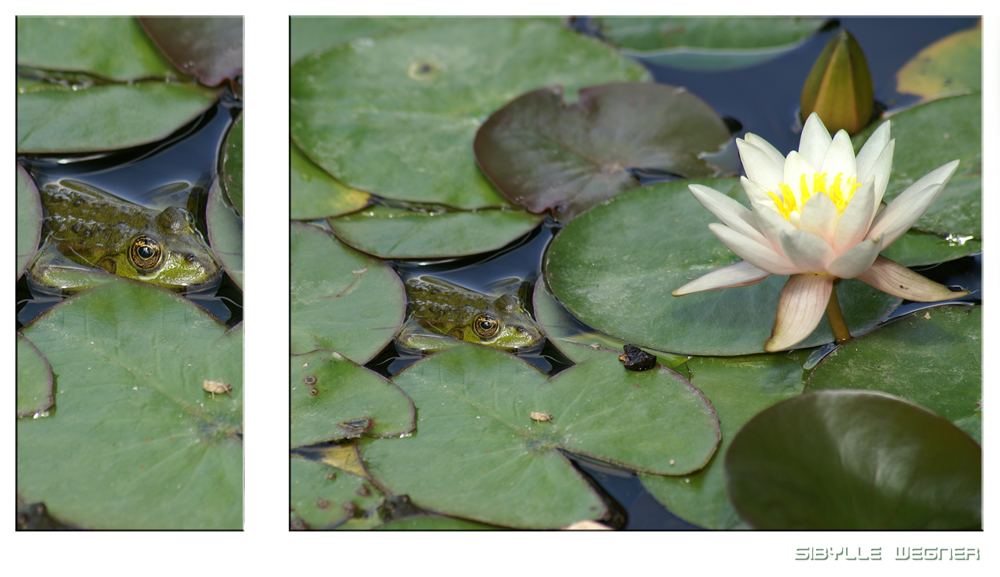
[[145, 253], [486, 326]]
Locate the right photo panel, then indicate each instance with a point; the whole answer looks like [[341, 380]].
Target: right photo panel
[[661, 273]]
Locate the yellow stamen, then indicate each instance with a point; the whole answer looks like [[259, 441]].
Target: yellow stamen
[[786, 203]]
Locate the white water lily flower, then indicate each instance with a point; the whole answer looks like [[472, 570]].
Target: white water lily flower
[[815, 215]]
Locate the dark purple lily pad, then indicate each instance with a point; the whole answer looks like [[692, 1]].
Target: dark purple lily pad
[[210, 48], [545, 154], [29, 219]]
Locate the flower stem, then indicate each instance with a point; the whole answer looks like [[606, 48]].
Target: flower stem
[[836, 318]]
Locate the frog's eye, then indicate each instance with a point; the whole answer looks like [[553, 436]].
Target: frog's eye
[[145, 253], [486, 326]]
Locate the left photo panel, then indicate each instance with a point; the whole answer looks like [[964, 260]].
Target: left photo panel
[[129, 204]]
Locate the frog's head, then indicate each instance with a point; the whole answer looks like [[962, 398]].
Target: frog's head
[[505, 324], [170, 253]]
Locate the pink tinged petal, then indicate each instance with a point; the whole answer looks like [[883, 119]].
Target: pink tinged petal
[[815, 140], [759, 167], [819, 216], [910, 205], [801, 306], [871, 150], [755, 253], [774, 153], [771, 224], [840, 157], [897, 280], [855, 220], [856, 260], [806, 251], [734, 275], [881, 170], [755, 193], [729, 211], [796, 166]]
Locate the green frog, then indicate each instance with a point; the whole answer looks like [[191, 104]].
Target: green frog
[[93, 228], [441, 311]]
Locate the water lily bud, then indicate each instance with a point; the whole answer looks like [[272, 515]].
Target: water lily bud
[[839, 87]]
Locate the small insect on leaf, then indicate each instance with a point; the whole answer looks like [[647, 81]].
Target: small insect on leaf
[[540, 417], [217, 388]]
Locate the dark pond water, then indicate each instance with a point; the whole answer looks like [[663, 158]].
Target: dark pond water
[[763, 99], [191, 155]]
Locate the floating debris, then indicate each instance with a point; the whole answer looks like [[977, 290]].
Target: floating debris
[[636, 359], [540, 417]]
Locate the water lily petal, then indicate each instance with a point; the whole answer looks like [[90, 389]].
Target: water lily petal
[[856, 260], [872, 149], [806, 251], [905, 209], [729, 211], [771, 224], [755, 193], [774, 153], [801, 306], [815, 140], [734, 275], [796, 166], [856, 219], [759, 166], [753, 252], [819, 216], [897, 280], [881, 170], [840, 157]]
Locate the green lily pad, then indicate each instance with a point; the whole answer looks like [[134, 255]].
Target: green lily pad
[[54, 118], [324, 497], [928, 136], [209, 47], [951, 65], [917, 248], [615, 265], [115, 47], [135, 441], [399, 233], [435, 523], [738, 388], [225, 233], [232, 165], [544, 154], [309, 33], [710, 43], [576, 340], [396, 115], [333, 398], [475, 423], [855, 460], [341, 299], [34, 380], [932, 357], [29, 220], [315, 194]]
